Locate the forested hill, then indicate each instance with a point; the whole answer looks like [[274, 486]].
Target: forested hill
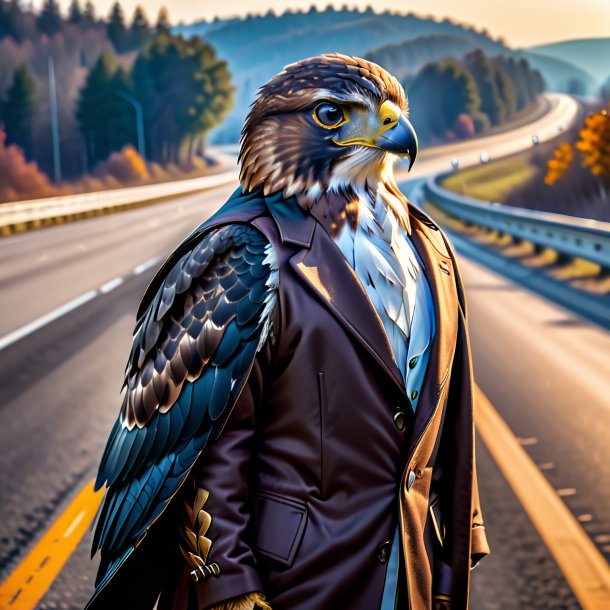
[[259, 46]]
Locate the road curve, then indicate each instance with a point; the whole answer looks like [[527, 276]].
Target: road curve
[[42, 270]]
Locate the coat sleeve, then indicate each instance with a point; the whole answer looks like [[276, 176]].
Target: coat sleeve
[[225, 474]]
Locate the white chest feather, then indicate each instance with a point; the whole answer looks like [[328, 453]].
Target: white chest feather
[[382, 256]]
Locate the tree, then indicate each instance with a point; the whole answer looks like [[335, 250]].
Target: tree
[[117, 32], [105, 119], [140, 29], [455, 91], [185, 91], [75, 15], [20, 179], [49, 20], [89, 15], [19, 109], [494, 87], [163, 24], [594, 146], [559, 164]]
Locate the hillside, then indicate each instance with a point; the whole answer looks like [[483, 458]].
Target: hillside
[[561, 75], [258, 47], [591, 55]]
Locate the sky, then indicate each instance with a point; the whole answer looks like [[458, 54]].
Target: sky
[[521, 22]]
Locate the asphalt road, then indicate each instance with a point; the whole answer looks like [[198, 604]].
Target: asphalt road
[[542, 367]]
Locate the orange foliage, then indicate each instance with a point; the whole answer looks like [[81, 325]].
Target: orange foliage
[[559, 164], [19, 178], [594, 144], [125, 166]]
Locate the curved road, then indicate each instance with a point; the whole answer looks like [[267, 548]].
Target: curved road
[[542, 367]]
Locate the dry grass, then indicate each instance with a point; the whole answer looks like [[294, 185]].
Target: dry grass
[[494, 181]]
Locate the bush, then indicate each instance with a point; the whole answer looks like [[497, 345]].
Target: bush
[[20, 179], [125, 167]]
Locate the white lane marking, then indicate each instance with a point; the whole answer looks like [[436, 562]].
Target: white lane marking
[[60, 311], [74, 523], [146, 265], [115, 282]]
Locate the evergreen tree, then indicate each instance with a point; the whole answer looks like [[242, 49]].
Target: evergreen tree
[[484, 72], [185, 91], [105, 120], [163, 24], [49, 20], [117, 32], [19, 109], [140, 29], [89, 15], [455, 91], [75, 14]]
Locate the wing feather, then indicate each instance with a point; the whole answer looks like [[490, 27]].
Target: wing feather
[[193, 349]]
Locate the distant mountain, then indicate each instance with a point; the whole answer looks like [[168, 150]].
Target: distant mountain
[[561, 75], [257, 47], [590, 54]]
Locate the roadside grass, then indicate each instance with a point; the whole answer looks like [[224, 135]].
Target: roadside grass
[[494, 181]]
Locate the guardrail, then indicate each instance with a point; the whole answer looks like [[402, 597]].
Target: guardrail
[[573, 237], [24, 215]]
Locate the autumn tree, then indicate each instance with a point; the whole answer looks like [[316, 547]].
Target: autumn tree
[[19, 109], [559, 164], [20, 179], [594, 146]]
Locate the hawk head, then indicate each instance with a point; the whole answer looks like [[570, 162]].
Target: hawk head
[[328, 123]]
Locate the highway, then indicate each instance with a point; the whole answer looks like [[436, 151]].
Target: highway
[[542, 367]]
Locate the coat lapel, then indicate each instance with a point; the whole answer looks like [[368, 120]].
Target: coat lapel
[[322, 266], [326, 271], [439, 270]]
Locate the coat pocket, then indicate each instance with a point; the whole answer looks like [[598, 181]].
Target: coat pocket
[[279, 526]]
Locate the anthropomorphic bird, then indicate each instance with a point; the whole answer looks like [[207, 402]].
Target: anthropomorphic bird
[[296, 430]]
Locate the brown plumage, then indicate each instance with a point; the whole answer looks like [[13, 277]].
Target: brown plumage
[[282, 149]]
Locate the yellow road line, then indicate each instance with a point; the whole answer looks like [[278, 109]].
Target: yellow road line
[[32, 578], [583, 566]]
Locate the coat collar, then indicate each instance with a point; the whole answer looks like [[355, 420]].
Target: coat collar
[[321, 266]]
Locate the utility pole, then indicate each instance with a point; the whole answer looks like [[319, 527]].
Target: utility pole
[[139, 120], [54, 122]]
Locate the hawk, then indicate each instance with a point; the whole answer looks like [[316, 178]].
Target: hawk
[[320, 142]]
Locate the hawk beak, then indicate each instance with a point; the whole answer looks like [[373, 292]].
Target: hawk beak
[[400, 139]]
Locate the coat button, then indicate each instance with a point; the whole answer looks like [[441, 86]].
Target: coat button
[[383, 551], [412, 362], [399, 420]]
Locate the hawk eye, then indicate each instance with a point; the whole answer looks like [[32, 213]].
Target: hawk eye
[[328, 115]]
